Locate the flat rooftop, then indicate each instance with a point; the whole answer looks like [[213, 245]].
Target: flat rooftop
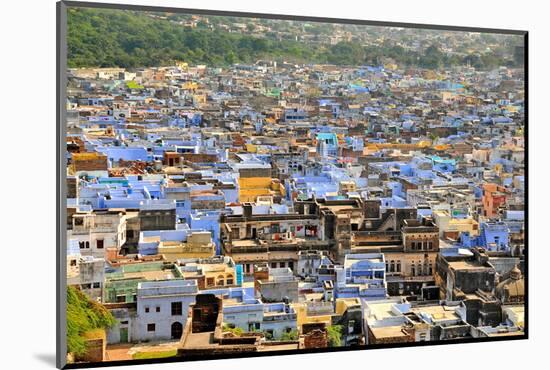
[[467, 265], [388, 332], [152, 275]]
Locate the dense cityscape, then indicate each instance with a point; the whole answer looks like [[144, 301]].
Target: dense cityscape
[[367, 189]]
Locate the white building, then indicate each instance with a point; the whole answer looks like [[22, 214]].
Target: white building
[[162, 308]]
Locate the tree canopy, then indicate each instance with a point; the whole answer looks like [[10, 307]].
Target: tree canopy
[[123, 38], [83, 315]]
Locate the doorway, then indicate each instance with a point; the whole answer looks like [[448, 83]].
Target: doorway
[[123, 335], [177, 330]]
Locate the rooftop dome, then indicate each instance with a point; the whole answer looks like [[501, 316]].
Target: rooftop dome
[[513, 288]]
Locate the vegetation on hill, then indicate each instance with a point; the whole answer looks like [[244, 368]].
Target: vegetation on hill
[[83, 316], [122, 38]]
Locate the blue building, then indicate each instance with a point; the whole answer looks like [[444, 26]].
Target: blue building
[[362, 276], [493, 236], [327, 144]]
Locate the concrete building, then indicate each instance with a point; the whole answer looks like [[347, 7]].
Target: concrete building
[[162, 308]]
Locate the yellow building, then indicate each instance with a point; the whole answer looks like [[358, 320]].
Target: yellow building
[[313, 313], [198, 245], [342, 304], [250, 188], [199, 99], [190, 85], [214, 272], [184, 66], [347, 186], [453, 227]]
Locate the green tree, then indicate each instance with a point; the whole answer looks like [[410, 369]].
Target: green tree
[[290, 335], [334, 333], [84, 315], [237, 331]]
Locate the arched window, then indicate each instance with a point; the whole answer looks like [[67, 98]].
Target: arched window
[[229, 279], [392, 266], [220, 280]]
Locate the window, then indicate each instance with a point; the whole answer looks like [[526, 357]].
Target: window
[[151, 327], [99, 243], [413, 271], [78, 221], [392, 266], [282, 264], [87, 244], [121, 298], [398, 266], [273, 265], [96, 285], [291, 265], [177, 308], [146, 309], [413, 246], [157, 309], [220, 280], [73, 262], [430, 245], [210, 281], [229, 279], [81, 245]]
